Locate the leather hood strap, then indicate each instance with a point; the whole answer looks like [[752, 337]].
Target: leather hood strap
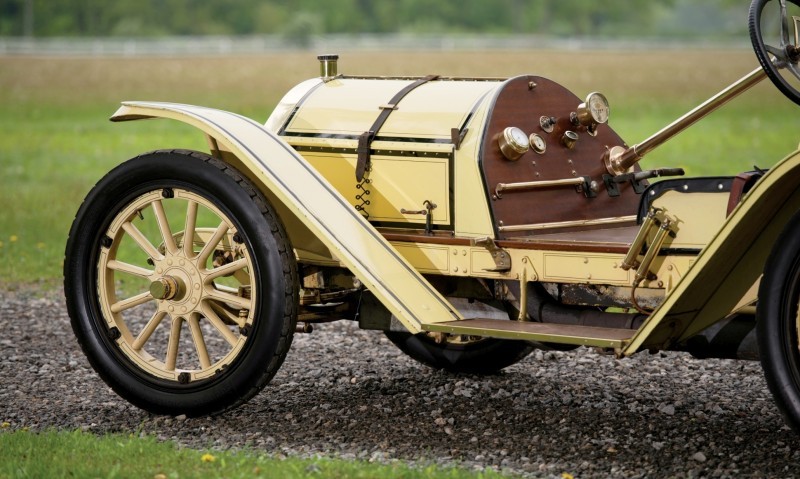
[[366, 138]]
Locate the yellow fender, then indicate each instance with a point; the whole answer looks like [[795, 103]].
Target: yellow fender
[[730, 264], [300, 190]]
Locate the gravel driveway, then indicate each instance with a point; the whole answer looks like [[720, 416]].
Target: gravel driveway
[[350, 393]]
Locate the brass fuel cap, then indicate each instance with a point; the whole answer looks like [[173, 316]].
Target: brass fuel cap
[[164, 288], [513, 143]]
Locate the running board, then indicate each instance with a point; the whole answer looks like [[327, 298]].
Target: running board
[[543, 332]]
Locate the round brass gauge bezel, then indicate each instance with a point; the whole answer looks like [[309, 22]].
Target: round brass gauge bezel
[[538, 144], [594, 111], [513, 143]]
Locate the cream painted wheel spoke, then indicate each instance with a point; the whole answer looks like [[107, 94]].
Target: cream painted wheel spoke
[[225, 289], [134, 270], [199, 342], [190, 229], [174, 339], [163, 227], [242, 303], [205, 253], [227, 269], [242, 277], [131, 302], [148, 330], [226, 314], [215, 321], [177, 291], [142, 241]]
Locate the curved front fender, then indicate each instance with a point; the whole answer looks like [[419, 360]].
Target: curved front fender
[[299, 188], [730, 264]]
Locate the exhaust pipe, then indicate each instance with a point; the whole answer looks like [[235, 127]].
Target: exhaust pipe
[[542, 308], [730, 338]]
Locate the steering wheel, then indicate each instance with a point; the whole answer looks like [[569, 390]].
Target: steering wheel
[[786, 54]]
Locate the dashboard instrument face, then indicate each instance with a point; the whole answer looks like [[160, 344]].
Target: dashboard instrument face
[[594, 111], [513, 143], [537, 143]]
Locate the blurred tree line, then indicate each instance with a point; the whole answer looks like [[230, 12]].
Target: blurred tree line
[[304, 18]]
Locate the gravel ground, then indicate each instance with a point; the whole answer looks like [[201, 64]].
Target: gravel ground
[[350, 393]]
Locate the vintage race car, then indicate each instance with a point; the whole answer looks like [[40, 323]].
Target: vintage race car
[[470, 219]]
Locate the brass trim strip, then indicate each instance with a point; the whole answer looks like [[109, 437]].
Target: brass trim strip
[[530, 185], [568, 224]]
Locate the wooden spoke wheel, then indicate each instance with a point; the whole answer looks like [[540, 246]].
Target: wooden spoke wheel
[[181, 284]]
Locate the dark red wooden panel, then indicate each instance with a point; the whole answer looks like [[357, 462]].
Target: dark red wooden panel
[[517, 104]]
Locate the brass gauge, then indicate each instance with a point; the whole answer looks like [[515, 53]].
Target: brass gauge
[[513, 143], [537, 143], [594, 111]]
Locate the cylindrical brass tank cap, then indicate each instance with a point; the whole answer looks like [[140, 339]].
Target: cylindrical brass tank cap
[[328, 66]]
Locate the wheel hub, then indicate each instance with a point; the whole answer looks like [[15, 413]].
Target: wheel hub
[[165, 288], [792, 53], [183, 292]]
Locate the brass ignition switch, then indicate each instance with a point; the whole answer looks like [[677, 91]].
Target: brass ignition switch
[[547, 123], [513, 143]]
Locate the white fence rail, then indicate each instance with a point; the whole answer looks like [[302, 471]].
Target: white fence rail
[[223, 45]]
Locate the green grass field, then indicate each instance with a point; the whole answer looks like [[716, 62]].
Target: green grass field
[[56, 141], [54, 455]]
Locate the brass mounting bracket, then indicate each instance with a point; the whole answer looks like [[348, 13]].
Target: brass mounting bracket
[[501, 258]]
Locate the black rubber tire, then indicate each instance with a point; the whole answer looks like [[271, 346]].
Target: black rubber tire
[[272, 259], [778, 298], [756, 38], [486, 356]]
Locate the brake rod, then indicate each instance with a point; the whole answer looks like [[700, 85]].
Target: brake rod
[[619, 159]]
